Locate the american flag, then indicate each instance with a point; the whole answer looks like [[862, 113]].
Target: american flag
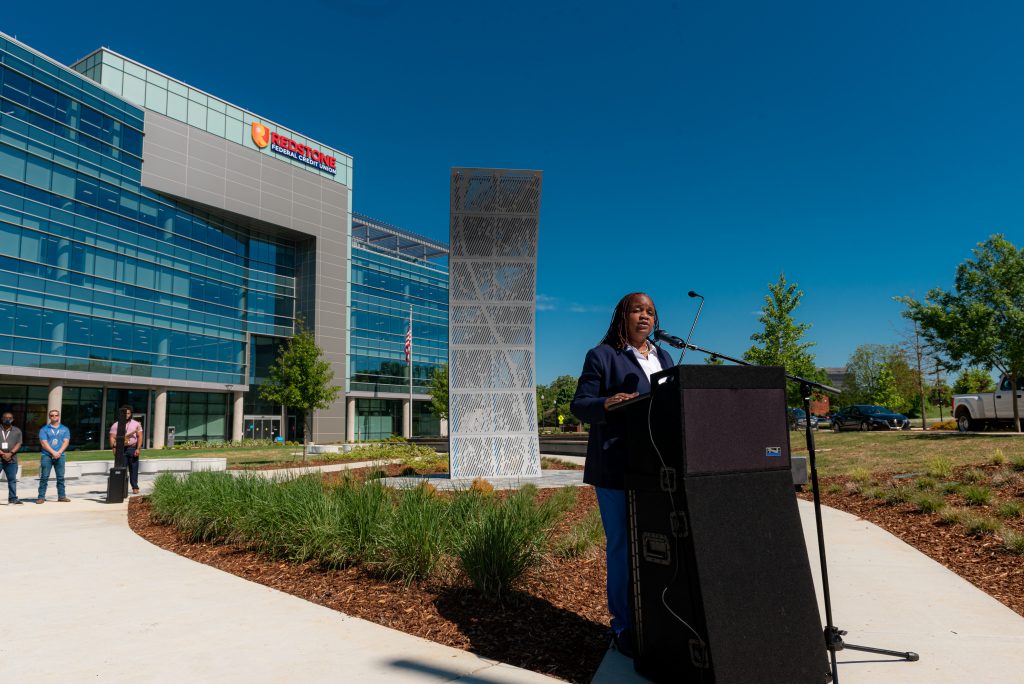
[[408, 343]]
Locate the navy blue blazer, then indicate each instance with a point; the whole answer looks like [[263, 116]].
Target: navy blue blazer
[[608, 371]]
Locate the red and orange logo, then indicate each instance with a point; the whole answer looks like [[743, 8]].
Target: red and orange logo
[[260, 134]]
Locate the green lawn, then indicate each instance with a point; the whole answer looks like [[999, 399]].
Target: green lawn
[[903, 452]]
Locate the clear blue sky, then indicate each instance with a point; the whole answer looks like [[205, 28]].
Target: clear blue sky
[[861, 149]]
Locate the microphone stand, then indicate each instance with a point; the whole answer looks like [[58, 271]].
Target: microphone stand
[[833, 635]]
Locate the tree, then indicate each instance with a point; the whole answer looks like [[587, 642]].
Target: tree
[[554, 400], [439, 392], [973, 380], [300, 378], [780, 343], [864, 368], [980, 322], [887, 394]]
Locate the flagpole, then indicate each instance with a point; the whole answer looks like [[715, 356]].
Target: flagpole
[[409, 341]]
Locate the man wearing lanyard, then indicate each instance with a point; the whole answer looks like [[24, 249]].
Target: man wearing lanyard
[[132, 445], [54, 439], [10, 442]]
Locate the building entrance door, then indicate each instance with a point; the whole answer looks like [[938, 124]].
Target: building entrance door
[[262, 427]]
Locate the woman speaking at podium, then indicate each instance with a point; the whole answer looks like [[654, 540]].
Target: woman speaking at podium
[[616, 370]]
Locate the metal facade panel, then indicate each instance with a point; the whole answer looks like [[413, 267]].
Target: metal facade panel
[[492, 321]]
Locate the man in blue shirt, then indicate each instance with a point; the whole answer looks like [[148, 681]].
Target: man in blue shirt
[[53, 440]]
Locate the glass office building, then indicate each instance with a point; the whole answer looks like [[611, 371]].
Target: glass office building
[[155, 242], [395, 276]]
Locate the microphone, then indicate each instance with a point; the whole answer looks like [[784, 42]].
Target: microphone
[[686, 344], [670, 340]]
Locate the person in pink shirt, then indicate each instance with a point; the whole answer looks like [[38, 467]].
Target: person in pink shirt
[[132, 445]]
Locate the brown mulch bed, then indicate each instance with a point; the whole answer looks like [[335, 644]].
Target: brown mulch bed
[[981, 560], [556, 624]]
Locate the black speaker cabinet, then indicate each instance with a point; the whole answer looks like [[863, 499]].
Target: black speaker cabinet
[[721, 582]]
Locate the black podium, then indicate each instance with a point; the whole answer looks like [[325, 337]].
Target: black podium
[[721, 584]]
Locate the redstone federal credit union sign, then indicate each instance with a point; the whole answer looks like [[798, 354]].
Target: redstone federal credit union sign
[[263, 137]]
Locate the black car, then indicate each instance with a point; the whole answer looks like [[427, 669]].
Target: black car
[[866, 417], [797, 419]]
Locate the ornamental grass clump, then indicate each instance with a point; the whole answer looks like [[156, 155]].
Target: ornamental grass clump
[[929, 502], [860, 475], [952, 516], [998, 457], [1013, 542], [1017, 463], [973, 476], [896, 495], [976, 495], [583, 539], [508, 539], [978, 525], [1010, 509], [940, 467], [417, 536], [926, 483]]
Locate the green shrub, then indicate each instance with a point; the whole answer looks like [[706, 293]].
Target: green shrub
[[973, 476], [998, 457], [940, 467], [1010, 509], [929, 502], [925, 483], [1017, 463], [976, 495], [1013, 542], [583, 539], [943, 425], [978, 525]]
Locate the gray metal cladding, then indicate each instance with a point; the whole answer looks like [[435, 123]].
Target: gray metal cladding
[[492, 322]]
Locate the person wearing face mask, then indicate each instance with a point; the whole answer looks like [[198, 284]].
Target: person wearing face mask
[[53, 440], [10, 443], [616, 370], [132, 445]]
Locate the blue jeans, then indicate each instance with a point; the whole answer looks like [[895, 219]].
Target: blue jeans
[[612, 503], [45, 463], [11, 471]]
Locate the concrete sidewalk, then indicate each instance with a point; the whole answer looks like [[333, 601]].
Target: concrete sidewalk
[[88, 600], [119, 609], [888, 595]]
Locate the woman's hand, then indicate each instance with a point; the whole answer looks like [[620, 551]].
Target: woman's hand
[[618, 398]]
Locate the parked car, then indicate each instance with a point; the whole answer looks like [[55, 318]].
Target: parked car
[[988, 409], [866, 417], [797, 419], [824, 421]]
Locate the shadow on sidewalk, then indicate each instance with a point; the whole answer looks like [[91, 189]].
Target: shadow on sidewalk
[[527, 632]]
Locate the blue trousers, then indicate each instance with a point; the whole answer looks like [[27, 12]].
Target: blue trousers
[[612, 503], [46, 462], [11, 471]]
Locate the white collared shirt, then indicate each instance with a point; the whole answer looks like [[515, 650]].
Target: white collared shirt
[[651, 364]]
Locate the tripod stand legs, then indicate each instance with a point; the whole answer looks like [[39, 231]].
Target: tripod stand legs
[[834, 639]]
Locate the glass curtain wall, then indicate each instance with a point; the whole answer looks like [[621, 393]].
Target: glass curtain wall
[[199, 416], [100, 274]]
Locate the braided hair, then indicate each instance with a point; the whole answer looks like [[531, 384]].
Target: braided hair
[[617, 335]]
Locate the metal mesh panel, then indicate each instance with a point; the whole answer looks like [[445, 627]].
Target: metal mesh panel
[[491, 322]]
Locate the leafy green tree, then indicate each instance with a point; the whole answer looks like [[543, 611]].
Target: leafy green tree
[[439, 392], [300, 378], [887, 394], [863, 373], [973, 380], [780, 342], [980, 323]]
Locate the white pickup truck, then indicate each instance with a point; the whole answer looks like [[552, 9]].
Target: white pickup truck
[[985, 409]]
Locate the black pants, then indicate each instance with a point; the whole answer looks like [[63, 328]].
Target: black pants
[[131, 455]]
